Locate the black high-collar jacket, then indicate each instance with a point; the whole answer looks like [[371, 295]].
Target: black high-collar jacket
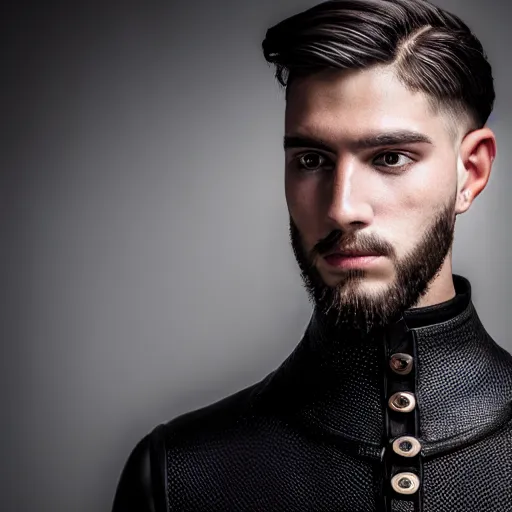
[[337, 426]]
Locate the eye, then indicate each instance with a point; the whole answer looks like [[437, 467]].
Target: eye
[[310, 161], [393, 160]]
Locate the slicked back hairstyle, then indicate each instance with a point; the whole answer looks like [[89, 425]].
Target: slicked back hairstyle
[[431, 50]]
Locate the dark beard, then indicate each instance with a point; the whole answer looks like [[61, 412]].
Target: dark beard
[[353, 311]]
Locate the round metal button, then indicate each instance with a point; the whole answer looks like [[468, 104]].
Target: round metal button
[[406, 446], [405, 483], [402, 401], [401, 363]]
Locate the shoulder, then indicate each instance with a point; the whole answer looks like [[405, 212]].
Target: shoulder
[[218, 415], [142, 485]]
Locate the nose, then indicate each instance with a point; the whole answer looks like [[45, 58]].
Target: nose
[[348, 198]]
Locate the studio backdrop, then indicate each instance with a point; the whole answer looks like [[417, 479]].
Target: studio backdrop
[[146, 265]]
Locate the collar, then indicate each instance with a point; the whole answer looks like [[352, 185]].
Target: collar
[[462, 380]]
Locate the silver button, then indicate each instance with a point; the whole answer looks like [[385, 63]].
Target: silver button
[[401, 363], [406, 446], [402, 402], [405, 483]]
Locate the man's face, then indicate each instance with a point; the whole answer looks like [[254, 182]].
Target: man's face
[[395, 197]]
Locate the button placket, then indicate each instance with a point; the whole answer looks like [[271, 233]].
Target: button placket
[[402, 456]]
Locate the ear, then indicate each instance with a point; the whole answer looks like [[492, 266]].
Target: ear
[[476, 155]]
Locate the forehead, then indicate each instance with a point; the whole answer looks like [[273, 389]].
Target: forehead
[[333, 104]]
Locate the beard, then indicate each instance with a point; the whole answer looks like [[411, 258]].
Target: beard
[[344, 307]]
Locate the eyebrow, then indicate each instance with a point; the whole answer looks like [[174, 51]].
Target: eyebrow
[[393, 138]]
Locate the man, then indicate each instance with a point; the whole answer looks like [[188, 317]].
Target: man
[[396, 398]]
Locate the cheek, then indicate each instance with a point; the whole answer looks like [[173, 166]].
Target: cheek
[[407, 211], [407, 218], [425, 190], [304, 209], [297, 197], [412, 216]]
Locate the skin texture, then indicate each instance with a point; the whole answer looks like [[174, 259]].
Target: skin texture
[[400, 200]]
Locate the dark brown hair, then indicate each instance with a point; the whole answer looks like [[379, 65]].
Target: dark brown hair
[[432, 50]]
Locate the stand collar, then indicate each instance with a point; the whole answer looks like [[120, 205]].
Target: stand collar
[[463, 378]]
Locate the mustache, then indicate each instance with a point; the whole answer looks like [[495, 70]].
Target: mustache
[[336, 240]]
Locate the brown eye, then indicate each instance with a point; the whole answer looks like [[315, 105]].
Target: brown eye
[[392, 159], [311, 161]]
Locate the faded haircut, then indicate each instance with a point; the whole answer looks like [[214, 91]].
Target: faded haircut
[[431, 50]]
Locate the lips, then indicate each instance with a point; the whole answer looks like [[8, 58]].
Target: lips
[[340, 261], [352, 254]]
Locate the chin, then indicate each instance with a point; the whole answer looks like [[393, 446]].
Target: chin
[[368, 285]]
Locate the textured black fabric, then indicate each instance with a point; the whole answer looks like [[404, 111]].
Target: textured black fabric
[[402, 506], [476, 477], [315, 434]]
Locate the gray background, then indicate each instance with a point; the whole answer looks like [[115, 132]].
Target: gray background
[[146, 268]]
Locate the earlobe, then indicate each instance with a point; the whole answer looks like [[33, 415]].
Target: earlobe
[[477, 153], [464, 204]]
